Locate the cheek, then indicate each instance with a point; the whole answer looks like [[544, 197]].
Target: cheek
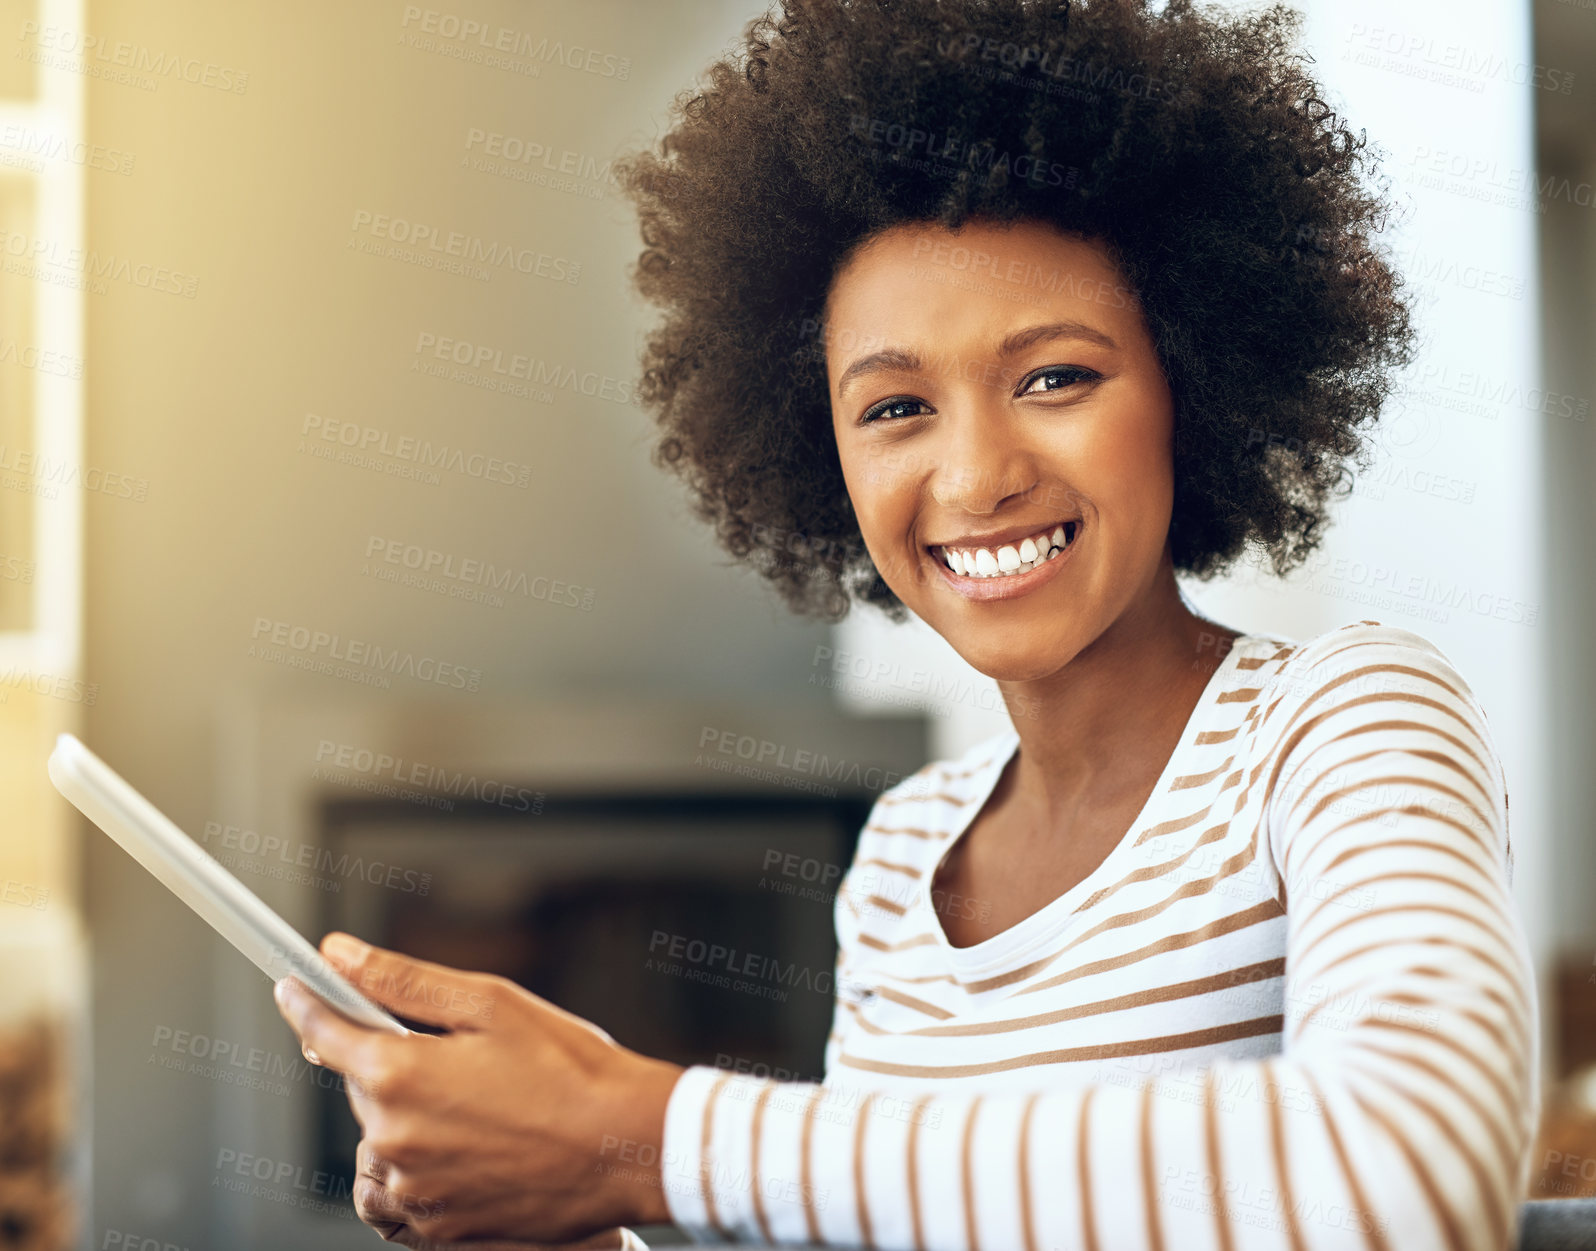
[[877, 487], [884, 517], [1128, 466], [884, 499]]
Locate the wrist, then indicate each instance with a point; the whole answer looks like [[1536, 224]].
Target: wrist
[[638, 1115]]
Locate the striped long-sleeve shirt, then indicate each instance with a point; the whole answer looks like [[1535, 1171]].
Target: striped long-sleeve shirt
[[1292, 1008]]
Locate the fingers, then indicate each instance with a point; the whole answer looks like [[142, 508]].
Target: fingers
[[614, 1240], [368, 1163], [608, 1240], [371, 1205], [433, 994], [333, 1039], [395, 1216], [379, 1204]]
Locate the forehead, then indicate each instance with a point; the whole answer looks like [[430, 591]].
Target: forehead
[[922, 283]]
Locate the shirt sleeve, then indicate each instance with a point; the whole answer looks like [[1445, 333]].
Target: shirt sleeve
[[1398, 1114]]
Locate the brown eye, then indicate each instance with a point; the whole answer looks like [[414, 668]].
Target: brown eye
[[1062, 376], [890, 408]]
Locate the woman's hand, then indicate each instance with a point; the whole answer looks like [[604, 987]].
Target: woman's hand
[[505, 1126], [609, 1240]]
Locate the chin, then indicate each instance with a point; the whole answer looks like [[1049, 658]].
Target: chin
[[994, 654]]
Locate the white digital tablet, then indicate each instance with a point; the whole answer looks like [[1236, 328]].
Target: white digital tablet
[[233, 910]]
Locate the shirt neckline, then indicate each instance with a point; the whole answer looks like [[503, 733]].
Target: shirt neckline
[[1046, 924]]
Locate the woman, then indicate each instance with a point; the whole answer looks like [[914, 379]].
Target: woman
[[1004, 315]]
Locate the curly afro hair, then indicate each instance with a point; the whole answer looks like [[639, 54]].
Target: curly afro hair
[[1192, 144]]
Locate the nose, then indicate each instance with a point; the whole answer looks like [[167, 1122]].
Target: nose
[[981, 461]]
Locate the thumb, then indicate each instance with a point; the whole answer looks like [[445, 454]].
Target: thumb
[[432, 994]]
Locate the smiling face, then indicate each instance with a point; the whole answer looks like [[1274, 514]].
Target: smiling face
[[1005, 431]]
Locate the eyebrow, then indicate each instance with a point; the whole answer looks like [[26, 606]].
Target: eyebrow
[[903, 360]]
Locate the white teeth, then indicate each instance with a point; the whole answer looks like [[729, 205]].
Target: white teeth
[[1011, 558]]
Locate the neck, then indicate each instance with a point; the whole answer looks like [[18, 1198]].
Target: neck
[[1116, 710]]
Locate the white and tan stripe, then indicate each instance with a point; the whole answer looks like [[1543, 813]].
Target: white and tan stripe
[[1292, 1009]]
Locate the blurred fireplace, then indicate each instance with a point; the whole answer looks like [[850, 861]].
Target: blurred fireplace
[[647, 836], [693, 927]]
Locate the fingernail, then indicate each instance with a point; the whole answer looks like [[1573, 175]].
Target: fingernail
[[342, 948], [280, 990]]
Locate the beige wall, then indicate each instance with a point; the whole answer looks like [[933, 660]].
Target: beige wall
[[252, 195]]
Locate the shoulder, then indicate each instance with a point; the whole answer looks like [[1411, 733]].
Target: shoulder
[[1367, 664], [1376, 710]]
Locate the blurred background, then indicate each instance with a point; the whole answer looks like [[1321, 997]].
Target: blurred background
[[327, 517]]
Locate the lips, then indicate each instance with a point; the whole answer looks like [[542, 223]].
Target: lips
[[1008, 559]]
